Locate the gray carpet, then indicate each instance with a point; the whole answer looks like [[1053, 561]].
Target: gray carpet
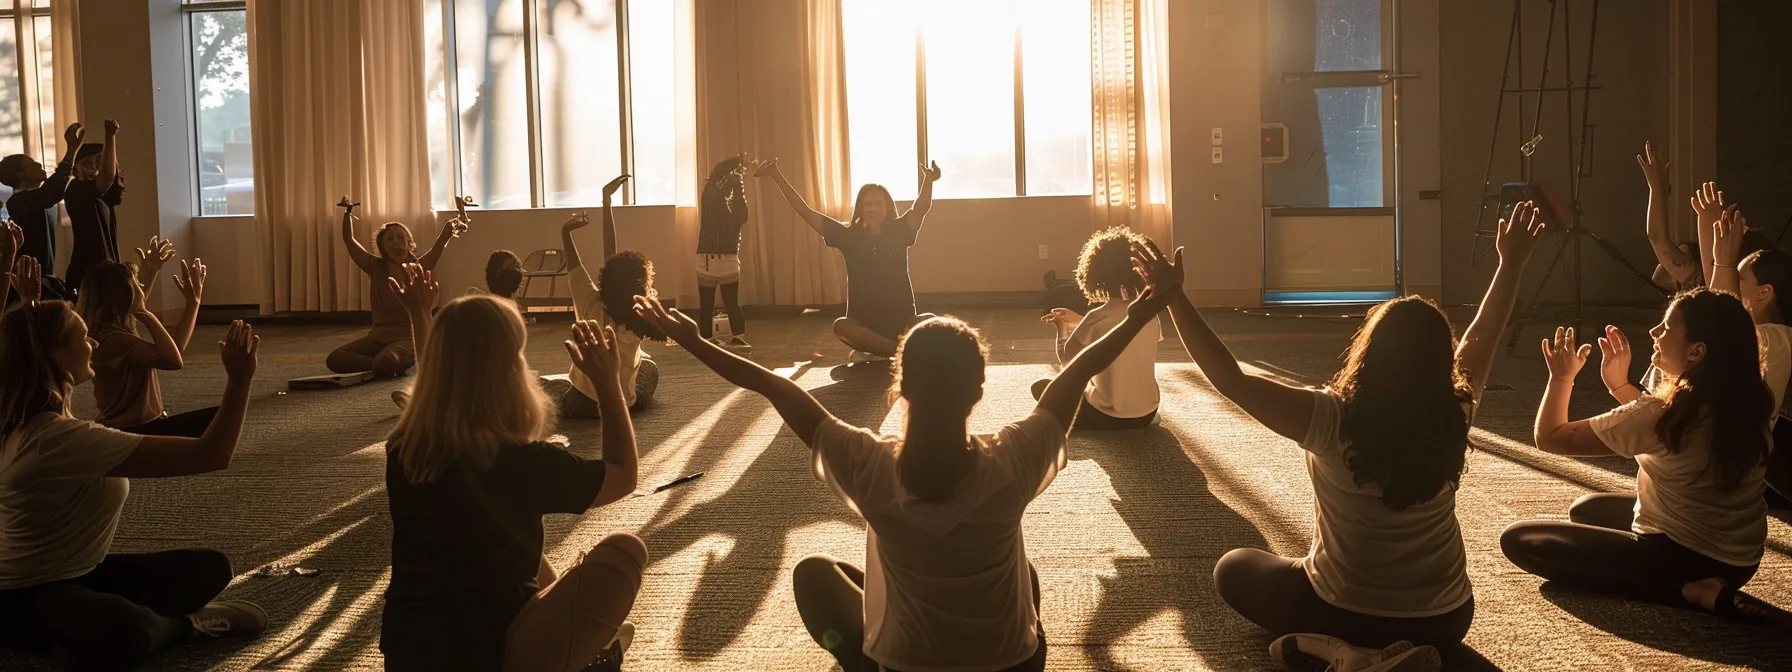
[[1125, 540]]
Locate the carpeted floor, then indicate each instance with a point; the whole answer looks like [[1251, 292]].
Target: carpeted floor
[[1124, 540]]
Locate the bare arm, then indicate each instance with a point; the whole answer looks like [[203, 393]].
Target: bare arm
[[1517, 236], [1678, 264], [108, 159], [417, 293], [1064, 394], [924, 202], [814, 219], [1726, 247], [1708, 206], [571, 248], [800, 410], [11, 239], [161, 457], [1284, 409], [356, 252], [609, 217], [593, 351], [450, 231]]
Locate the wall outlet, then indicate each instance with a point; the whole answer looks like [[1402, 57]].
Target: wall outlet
[[1044, 253], [1217, 137], [1218, 155]]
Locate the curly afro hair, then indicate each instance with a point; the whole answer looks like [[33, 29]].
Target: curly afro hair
[[624, 276], [1104, 268]]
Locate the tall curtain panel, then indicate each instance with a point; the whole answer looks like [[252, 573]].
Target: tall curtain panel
[[770, 82], [65, 62], [337, 104], [1131, 82]]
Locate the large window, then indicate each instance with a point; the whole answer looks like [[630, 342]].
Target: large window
[[217, 33], [996, 91], [539, 103], [27, 111]]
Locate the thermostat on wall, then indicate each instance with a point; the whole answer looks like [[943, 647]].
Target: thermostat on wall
[[1274, 143]]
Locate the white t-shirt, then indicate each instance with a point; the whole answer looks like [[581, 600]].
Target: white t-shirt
[[947, 586], [1128, 387], [1366, 557], [58, 508], [1674, 493], [586, 305]]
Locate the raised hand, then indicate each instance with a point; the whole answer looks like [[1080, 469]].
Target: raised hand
[[453, 228], [111, 127], [766, 168], [1614, 359], [347, 205], [579, 220], [11, 239], [27, 278], [615, 185], [152, 259], [74, 134], [1708, 204], [139, 302], [1163, 279], [1063, 317], [1726, 236], [1563, 356], [930, 172], [593, 350], [1655, 171], [191, 281], [238, 351], [673, 323], [1518, 234], [419, 289]]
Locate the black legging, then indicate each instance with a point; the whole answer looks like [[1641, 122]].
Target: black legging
[[706, 311], [1779, 466], [190, 424], [1597, 551], [1090, 417], [830, 598], [1275, 593], [130, 606]]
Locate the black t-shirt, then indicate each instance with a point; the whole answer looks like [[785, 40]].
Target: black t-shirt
[[92, 215], [34, 211], [878, 291], [465, 552]]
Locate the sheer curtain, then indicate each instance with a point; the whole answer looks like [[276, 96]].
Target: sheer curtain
[[336, 97], [770, 82], [65, 59], [1131, 136]]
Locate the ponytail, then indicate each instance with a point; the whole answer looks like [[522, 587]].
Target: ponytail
[[939, 374]]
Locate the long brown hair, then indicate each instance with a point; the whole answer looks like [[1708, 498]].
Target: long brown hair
[[107, 292], [858, 204], [1403, 396], [1723, 389], [30, 381], [939, 374]]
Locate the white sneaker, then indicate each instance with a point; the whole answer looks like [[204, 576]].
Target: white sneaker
[[860, 357], [401, 397], [738, 344], [1320, 653], [229, 618]]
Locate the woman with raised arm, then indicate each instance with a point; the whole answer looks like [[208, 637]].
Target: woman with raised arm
[[1386, 441], [949, 586], [880, 299], [63, 484], [1757, 279], [1694, 532], [125, 384], [387, 349], [469, 476], [608, 299], [724, 212]]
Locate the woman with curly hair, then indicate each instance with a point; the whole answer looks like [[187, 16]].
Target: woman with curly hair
[[610, 300], [1124, 395]]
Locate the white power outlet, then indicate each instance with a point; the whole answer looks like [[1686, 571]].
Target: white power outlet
[[1044, 253], [1218, 137], [1218, 155]]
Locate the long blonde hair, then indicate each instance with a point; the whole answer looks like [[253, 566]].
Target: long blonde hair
[[30, 380], [474, 392]]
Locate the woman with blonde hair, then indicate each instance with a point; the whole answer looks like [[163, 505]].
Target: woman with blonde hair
[[469, 475]]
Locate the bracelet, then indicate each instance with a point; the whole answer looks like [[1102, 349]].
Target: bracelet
[[1614, 391], [1723, 265]]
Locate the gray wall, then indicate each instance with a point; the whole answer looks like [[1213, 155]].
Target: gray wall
[[1754, 91], [1630, 63]]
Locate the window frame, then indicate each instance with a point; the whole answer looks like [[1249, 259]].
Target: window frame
[[532, 100], [189, 10], [1018, 82], [29, 120]]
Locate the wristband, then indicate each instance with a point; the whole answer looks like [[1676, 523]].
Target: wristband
[[1614, 391]]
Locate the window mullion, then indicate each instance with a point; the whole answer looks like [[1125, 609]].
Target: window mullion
[[457, 184], [532, 97], [624, 100], [921, 94], [1020, 120]]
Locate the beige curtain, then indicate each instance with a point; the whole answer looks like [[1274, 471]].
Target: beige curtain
[[337, 103], [65, 60], [1131, 130], [25, 32], [770, 82]]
